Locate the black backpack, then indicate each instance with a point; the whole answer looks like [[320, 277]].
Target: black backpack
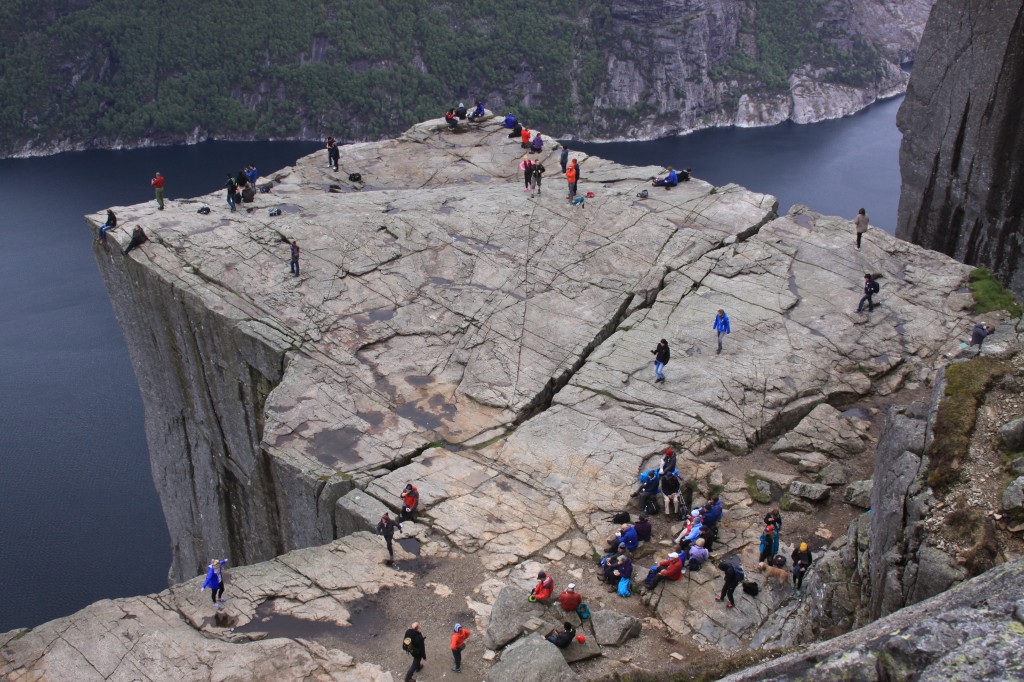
[[751, 588], [874, 286], [642, 195], [620, 517], [355, 177], [779, 561]]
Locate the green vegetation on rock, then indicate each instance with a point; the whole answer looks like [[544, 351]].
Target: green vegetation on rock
[[990, 295], [966, 385]]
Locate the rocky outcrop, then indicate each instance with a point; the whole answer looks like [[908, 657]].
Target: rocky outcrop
[[962, 141], [974, 631]]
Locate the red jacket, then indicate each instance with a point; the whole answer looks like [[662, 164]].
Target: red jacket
[[570, 601], [672, 569], [544, 588], [570, 174], [157, 182], [526, 136], [410, 498], [459, 638]]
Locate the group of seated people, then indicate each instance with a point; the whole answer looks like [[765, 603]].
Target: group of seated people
[[459, 113], [522, 133]]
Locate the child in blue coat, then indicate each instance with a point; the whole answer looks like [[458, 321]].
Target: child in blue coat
[[721, 327], [215, 581]]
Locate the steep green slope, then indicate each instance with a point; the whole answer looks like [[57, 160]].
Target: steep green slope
[[105, 72]]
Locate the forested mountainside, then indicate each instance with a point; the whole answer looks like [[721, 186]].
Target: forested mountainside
[[98, 73]]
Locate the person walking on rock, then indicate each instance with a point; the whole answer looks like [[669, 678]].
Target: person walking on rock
[[459, 637], [721, 327], [526, 165], [232, 189], [215, 581], [802, 560], [158, 188], [733, 577], [386, 527], [870, 289], [295, 258], [661, 358], [414, 643], [538, 174], [410, 501], [861, 223]]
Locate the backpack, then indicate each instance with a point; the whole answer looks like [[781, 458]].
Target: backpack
[[355, 177], [739, 572], [624, 585], [407, 645], [779, 561], [583, 611], [642, 195], [751, 588], [205, 210], [274, 212], [651, 506], [874, 286], [620, 517]]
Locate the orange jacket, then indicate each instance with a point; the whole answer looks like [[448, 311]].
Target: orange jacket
[[544, 588], [459, 638], [570, 173], [526, 136]]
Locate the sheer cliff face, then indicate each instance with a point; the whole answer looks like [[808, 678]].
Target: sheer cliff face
[[683, 64], [963, 178]]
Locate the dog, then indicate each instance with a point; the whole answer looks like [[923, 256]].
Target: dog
[[772, 572]]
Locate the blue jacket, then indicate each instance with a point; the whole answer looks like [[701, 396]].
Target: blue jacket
[[510, 121], [672, 178], [774, 549], [715, 515], [213, 579], [629, 539], [694, 532], [479, 111], [722, 323], [252, 174]]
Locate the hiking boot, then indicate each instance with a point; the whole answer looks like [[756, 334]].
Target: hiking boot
[[719, 598], [730, 605], [456, 670]]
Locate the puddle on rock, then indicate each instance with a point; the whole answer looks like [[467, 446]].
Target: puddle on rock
[[381, 314], [372, 417], [856, 413], [803, 220], [410, 545], [427, 420], [336, 447], [419, 380]]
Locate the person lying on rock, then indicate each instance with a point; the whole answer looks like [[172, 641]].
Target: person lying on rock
[[643, 529], [410, 501], [562, 638], [543, 590], [669, 569], [671, 179]]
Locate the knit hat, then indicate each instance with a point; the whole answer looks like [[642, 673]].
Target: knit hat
[[668, 451], [769, 529], [695, 512], [571, 586], [458, 628], [803, 546]]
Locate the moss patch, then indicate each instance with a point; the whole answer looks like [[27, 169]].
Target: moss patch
[[755, 493], [967, 384], [978, 534], [990, 295]]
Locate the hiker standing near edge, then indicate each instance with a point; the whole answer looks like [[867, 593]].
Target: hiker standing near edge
[[721, 327], [661, 358], [215, 581], [295, 259], [861, 223], [563, 158], [232, 188], [459, 637], [158, 187], [416, 645], [802, 560], [570, 178], [870, 289], [386, 527]]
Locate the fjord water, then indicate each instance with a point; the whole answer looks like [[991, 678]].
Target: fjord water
[[80, 515]]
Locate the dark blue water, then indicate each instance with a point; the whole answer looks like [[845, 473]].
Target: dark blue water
[[835, 167], [78, 510], [79, 515]]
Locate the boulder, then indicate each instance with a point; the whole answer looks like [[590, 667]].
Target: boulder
[[791, 503], [1013, 496], [858, 494], [815, 492], [833, 474], [355, 511], [511, 610], [533, 659], [808, 462], [764, 486], [1017, 466], [576, 652], [1012, 434], [825, 431], [614, 629]]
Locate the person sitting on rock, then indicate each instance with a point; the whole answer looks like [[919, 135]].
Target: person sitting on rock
[[769, 544], [669, 569], [628, 537], [460, 111], [670, 180], [981, 330], [138, 239], [511, 123], [562, 638], [537, 144], [479, 112], [570, 599], [410, 502], [524, 138], [107, 227], [611, 561], [697, 556], [714, 511], [544, 588], [670, 491], [648, 492], [623, 569], [643, 529], [517, 132], [668, 462], [691, 531], [449, 118]]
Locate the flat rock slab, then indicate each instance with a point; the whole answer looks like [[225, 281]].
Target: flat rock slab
[[510, 612], [614, 629], [533, 659]]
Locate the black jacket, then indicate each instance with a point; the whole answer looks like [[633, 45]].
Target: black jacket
[[801, 558], [669, 485], [662, 354], [418, 648]]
